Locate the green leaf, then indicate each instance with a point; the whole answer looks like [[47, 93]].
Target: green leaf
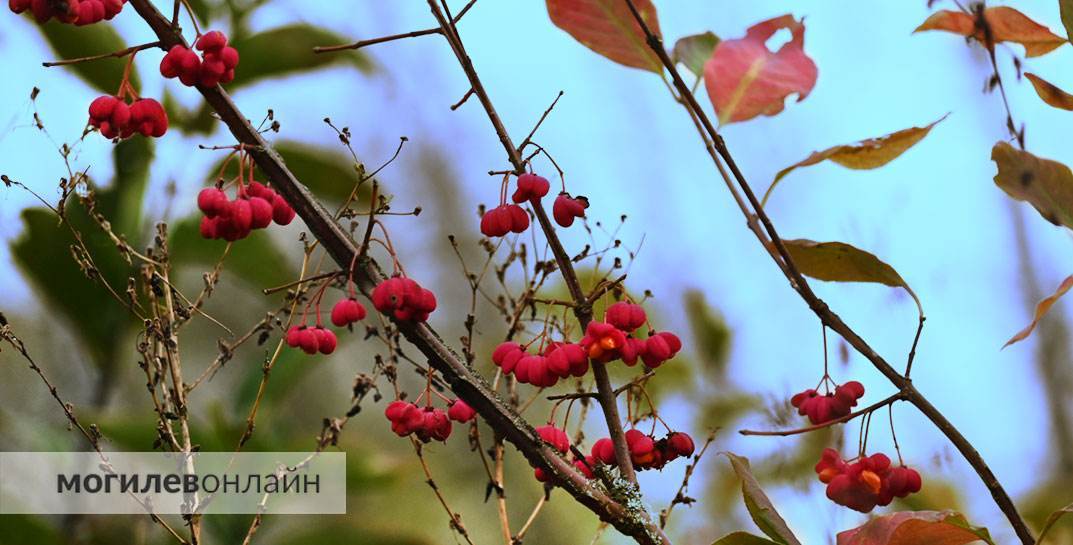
[[840, 262], [1047, 185], [743, 538], [254, 260], [864, 155], [43, 254], [289, 49], [329, 174], [760, 508], [71, 42], [1053, 518], [693, 51], [1066, 7], [914, 528], [710, 332]]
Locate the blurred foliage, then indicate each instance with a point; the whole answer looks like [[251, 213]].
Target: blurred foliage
[[70, 42]]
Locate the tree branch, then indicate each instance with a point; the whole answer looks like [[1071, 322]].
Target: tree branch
[[822, 310], [463, 381]]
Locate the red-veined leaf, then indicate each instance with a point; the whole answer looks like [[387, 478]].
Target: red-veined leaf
[[1050, 93], [609, 28], [744, 79], [1047, 185], [1041, 308], [1006, 25], [915, 528], [863, 155]]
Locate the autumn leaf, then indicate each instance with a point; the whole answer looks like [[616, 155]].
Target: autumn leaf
[[760, 507], [863, 155], [744, 79], [1047, 185], [609, 28], [1006, 25], [1041, 308], [840, 262], [1050, 93], [693, 51], [915, 528]]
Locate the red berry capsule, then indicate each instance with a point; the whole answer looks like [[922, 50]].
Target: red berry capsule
[[460, 411], [604, 451], [309, 341], [211, 41], [212, 201], [208, 228], [294, 337], [260, 213], [681, 444], [326, 341], [282, 213], [625, 316], [147, 117], [530, 186], [567, 208], [519, 219]]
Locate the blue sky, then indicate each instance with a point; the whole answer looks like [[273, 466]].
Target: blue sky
[[934, 214]]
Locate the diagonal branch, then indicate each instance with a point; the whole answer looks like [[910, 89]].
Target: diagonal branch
[[822, 310], [464, 382]]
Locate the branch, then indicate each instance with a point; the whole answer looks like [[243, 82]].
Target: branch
[[819, 307], [464, 382], [582, 308]]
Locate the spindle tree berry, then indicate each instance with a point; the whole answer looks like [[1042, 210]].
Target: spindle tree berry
[[566, 209]]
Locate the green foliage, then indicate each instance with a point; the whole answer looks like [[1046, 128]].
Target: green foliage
[[742, 538], [246, 260], [70, 42], [693, 51], [760, 507], [711, 336], [289, 49]]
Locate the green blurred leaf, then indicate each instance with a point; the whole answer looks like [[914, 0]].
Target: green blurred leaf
[[28, 529], [71, 42], [711, 335], [291, 367], [254, 260], [329, 174], [693, 51], [199, 121], [742, 538], [758, 504], [343, 529], [288, 49], [43, 254], [1051, 520]]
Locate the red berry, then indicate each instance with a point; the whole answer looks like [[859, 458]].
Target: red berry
[[625, 316], [326, 341], [556, 437], [308, 341], [660, 348], [633, 349], [604, 451], [111, 115], [584, 465], [147, 116], [567, 208], [347, 311], [681, 444], [211, 41], [294, 337], [282, 213], [530, 186], [460, 411], [212, 201], [261, 213], [519, 219], [602, 341], [208, 227], [496, 222]]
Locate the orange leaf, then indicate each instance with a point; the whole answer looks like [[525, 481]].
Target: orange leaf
[[915, 528], [1046, 185], [744, 79], [1050, 93], [1041, 308], [609, 28], [1006, 25]]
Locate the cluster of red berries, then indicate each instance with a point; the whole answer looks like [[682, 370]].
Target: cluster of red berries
[[427, 422], [609, 340], [404, 299], [215, 65], [558, 361], [255, 206], [829, 406], [312, 339], [567, 208], [77, 12], [646, 452], [511, 218], [559, 441], [117, 119], [347, 311], [866, 483]]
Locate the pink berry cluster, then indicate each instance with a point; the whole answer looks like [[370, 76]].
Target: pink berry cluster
[[867, 482], [215, 65], [114, 118], [347, 311], [560, 441], [566, 209], [404, 299], [511, 218], [612, 339], [830, 406], [557, 361], [312, 339], [76, 12], [646, 452], [255, 206], [426, 423]]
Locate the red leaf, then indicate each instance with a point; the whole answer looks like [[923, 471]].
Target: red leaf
[[609, 28], [745, 79], [915, 528], [1006, 24], [1050, 93]]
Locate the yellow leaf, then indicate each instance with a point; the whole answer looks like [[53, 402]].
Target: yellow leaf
[[863, 155], [1050, 93], [1041, 308], [1047, 185]]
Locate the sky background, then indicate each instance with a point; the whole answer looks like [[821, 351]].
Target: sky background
[[934, 214]]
